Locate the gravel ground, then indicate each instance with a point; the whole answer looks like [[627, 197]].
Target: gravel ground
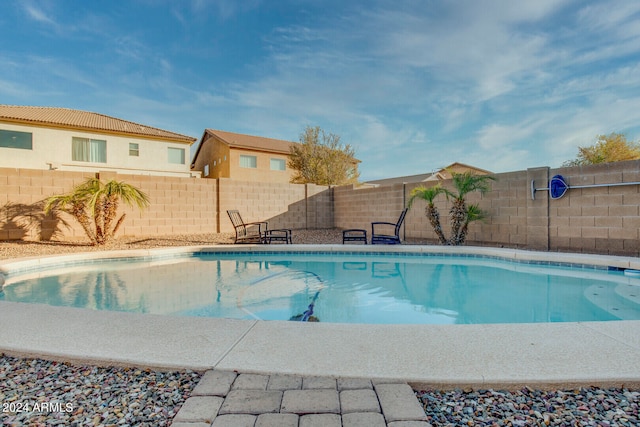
[[15, 249], [527, 407], [44, 393]]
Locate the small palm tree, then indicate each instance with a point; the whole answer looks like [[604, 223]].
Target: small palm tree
[[96, 202], [464, 184], [429, 194], [474, 213]]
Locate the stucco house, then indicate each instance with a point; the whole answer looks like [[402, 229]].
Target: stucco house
[[74, 140], [439, 175], [223, 154]]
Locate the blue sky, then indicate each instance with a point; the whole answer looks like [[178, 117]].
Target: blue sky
[[413, 85]]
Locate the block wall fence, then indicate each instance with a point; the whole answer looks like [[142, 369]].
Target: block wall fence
[[178, 205], [602, 219]]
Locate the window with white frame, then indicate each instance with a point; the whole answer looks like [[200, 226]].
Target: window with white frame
[[134, 149], [176, 155], [248, 161], [88, 150], [278, 164], [15, 139]]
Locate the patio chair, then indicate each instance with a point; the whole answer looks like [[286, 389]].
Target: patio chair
[[256, 232], [380, 238], [247, 232]]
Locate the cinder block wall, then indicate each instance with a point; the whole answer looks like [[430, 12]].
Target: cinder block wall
[[598, 219], [178, 205], [604, 220], [293, 206], [359, 207]]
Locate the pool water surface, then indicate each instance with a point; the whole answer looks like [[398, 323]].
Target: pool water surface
[[338, 288]]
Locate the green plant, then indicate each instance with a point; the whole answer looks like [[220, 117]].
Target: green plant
[[460, 214], [464, 184], [429, 194], [474, 213], [95, 206]]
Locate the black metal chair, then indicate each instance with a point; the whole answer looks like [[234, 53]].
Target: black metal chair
[[256, 232], [380, 238], [247, 232]]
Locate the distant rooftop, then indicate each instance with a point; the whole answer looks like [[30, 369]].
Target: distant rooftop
[[251, 142], [441, 174], [77, 119]]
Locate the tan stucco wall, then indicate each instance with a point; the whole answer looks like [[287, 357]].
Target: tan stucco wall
[[224, 162], [262, 172], [52, 149], [215, 156]]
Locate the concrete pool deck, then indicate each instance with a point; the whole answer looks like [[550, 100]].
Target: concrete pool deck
[[441, 356]]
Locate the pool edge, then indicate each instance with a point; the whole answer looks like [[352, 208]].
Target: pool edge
[[476, 356]]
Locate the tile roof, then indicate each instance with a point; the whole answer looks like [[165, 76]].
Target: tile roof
[[76, 119], [239, 140], [441, 174]]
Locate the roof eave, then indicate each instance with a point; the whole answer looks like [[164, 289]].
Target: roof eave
[[185, 140]]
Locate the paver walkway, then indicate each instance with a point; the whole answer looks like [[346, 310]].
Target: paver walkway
[[229, 399]]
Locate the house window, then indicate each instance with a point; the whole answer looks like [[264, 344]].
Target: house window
[[134, 149], [248, 162], [89, 150], [277, 164], [176, 156], [13, 139], [206, 170]]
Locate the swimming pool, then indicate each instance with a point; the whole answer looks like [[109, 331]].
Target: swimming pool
[[337, 286]]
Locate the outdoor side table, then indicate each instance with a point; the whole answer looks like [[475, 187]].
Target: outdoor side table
[[354, 235], [282, 235]]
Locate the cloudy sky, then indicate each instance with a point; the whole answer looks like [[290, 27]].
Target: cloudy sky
[[413, 85]]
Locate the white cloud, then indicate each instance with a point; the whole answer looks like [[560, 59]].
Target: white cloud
[[39, 15]]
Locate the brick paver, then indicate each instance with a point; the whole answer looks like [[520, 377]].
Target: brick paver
[[399, 403], [354, 383], [251, 382], [251, 402], [321, 420], [317, 401], [363, 419], [199, 409], [284, 382], [359, 401], [277, 420], [234, 420], [214, 383], [280, 400], [319, 382]]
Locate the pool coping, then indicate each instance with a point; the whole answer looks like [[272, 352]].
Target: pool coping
[[440, 356]]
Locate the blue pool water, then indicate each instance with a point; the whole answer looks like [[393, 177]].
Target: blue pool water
[[345, 288]]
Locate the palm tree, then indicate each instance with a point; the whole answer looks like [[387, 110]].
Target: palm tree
[[464, 184], [97, 201], [474, 213], [429, 194]]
